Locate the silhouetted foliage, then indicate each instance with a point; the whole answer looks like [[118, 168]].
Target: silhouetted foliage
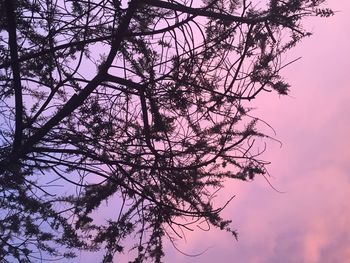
[[142, 104]]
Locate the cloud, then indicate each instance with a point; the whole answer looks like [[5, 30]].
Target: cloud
[[310, 222]]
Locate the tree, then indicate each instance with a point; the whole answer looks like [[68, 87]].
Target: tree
[[144, 104]]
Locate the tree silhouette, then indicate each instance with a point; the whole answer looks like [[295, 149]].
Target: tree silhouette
[[144, 104]]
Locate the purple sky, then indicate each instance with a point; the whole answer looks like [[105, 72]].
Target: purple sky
[[310, 222]]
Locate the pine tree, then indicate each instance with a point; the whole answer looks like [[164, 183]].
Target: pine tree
[[144, 104]]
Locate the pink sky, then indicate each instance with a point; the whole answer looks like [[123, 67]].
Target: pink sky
[[310, 222]]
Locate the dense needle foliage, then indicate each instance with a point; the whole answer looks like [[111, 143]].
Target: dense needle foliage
[[142, 104]]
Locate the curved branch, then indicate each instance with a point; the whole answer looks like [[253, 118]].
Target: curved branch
[[205, 13]]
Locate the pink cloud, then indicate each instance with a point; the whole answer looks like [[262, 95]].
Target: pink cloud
[[310, 222]]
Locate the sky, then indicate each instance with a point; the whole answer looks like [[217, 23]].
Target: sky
[[310, 221]]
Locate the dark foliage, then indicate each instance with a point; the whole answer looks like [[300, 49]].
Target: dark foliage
[[142, 104]]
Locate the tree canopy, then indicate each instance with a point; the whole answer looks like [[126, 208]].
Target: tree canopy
[[144, 104]]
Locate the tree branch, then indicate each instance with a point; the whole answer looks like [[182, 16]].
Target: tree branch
[[11, 29], [124, 82], [204, 12], [77, 99]]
